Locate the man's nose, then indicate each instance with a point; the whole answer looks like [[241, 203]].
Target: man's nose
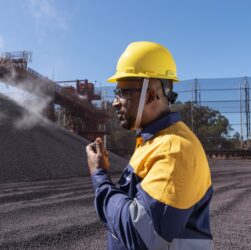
[[116, 103]]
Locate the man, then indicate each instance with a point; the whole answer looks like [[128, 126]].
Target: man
[[162, 199]]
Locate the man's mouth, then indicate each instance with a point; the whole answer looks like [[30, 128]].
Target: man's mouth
[[121, 117]]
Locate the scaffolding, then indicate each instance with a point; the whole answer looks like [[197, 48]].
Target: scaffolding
[[18, 58], [79, 114], [26, 55], [245, 113], [196, 101]]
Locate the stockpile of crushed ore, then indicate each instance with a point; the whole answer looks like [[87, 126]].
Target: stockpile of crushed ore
[[44, 150]]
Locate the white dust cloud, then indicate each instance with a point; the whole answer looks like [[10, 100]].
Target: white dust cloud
[[33, 110], [33, 103]]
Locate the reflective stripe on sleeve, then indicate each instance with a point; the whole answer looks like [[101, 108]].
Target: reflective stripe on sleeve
[[144, 226]]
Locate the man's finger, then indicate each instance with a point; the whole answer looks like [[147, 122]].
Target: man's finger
[[106, 153], [99, 145]]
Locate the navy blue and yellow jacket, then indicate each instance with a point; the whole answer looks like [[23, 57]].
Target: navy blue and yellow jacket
[[162, 199]]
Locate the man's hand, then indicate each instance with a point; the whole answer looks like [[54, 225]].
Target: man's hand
[[97, 156]]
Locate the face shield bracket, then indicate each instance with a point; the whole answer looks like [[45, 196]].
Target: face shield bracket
[[167, 88]]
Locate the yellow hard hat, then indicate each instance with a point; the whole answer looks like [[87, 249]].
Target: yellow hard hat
[[145, 60]]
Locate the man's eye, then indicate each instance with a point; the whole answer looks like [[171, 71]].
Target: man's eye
[[125, 92]]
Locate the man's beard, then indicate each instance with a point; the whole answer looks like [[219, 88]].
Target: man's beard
[[127, 123]]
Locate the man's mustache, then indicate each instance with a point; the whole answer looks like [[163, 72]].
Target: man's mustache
[[118, 112]]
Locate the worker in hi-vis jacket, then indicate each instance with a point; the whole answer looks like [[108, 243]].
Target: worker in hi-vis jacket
[[162, 198]]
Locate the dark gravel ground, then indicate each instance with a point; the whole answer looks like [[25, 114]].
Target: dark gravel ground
[[41, 208], [59, 214], [231, 205], [49, 214]]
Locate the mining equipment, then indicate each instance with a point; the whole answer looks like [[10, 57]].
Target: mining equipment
[[76, 109]]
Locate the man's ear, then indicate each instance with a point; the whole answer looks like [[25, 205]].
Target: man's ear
[[150, 96]]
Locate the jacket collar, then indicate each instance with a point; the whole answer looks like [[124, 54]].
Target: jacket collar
[[153, 128]]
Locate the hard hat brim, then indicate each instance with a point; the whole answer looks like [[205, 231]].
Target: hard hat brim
[[116, 77]]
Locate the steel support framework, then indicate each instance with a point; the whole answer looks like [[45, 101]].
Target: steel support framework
[[245, 113], [196, 101]]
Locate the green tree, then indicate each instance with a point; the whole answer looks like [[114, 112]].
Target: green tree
[[236, 140], [211, 127]]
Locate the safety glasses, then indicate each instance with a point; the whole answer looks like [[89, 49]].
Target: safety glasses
[[125, 93]]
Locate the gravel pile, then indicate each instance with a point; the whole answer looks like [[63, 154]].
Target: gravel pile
[[42, 150]]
